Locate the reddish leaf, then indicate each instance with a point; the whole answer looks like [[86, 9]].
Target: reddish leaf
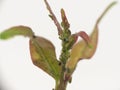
[[82, 50]]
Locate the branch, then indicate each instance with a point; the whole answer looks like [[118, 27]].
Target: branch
[[53, 18]]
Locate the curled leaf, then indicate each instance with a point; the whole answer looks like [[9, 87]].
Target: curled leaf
[[43, 56], [81, 50], [89, 51], [17, 30], [85, 37]]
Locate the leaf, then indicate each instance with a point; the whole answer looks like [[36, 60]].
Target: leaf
[[89, 51], [17, 30], [65, 23], [82, 50], [43, 56]]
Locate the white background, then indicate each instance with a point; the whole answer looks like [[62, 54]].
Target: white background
[[102, 72]]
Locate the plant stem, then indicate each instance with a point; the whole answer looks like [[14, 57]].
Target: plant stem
[[53, 17], [61, 84]]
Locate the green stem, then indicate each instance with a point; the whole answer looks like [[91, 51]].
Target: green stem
[[61, 84]]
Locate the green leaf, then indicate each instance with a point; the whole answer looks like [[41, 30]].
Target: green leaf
[[17, 30], [82, 50], [43, 56]]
